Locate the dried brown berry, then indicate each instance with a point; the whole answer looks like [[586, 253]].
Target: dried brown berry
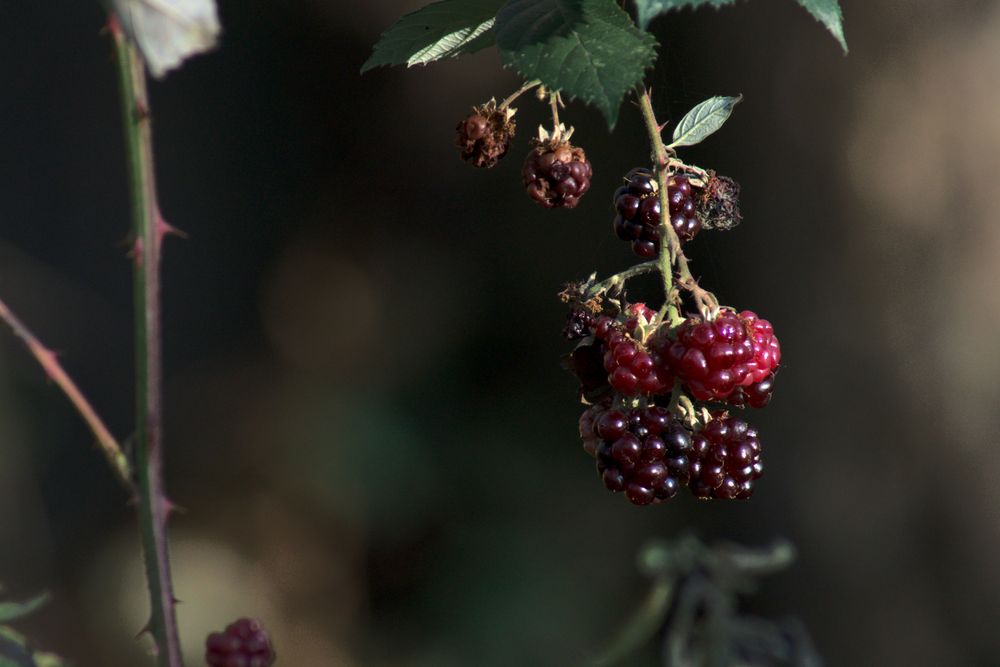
[[719, 203], [484, 135]]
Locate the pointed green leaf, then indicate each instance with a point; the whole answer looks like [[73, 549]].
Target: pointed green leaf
[[647, 10], [10, 611], [585, 49], [703, 120], [828, 13], [440, 30]]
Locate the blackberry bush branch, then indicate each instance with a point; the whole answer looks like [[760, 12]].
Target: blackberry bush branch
[[148, 228], [53, 369]]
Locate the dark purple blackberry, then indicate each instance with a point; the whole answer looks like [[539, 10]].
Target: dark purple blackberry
[[643, 452], [556, 175], [586, 362], [578, 325], [243, 644], [637, 205], [757, 395], [725, 459]]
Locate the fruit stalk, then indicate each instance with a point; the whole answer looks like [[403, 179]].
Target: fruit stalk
[[620, 278], [671, 254], [53, 369], [528, 85], [148, 228]]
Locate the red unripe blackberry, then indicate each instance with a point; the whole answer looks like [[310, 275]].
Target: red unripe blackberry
[[556, 175], [243, 644], [714, 358], [725, 459], [643, 452], [484, 135], [632, 370], [637, 204]]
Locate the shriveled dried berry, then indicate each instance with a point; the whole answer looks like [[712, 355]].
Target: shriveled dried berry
[[484, 135], [718, 203]]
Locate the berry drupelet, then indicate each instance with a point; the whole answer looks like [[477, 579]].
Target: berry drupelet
[[243, 644]]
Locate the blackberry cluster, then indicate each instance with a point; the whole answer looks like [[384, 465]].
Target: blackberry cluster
[[643, 452], [725, 459], [243, 644], [484, 136], [732, 358], [556, 175], [637, 204], [612, 360]]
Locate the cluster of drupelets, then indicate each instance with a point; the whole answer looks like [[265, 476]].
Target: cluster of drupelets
[[244, 643], [643, 373]]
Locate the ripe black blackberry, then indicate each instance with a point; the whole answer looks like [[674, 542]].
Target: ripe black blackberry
[[637, 204], [757, 395], [556, 174], [725, 459], [484, 135], [243, 644], [643, 452]]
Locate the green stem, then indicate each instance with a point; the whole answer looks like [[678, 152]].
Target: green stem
[[528, 85], [154, 507], [50, 364], [671, 255], [619, 278]]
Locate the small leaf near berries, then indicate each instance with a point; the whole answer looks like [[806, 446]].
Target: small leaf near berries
[[703, 120], [444, 29]]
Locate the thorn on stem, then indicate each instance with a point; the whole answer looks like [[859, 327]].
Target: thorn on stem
[[135, 253], [113, 26], [164, 228], [146, 629]]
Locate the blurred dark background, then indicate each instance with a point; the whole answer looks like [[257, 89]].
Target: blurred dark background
[[366, 417]]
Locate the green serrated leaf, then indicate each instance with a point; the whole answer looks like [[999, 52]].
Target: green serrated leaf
[[585, 49], [828, 13], [647, 10], [703, 120], [442, 29], [10, 611]]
